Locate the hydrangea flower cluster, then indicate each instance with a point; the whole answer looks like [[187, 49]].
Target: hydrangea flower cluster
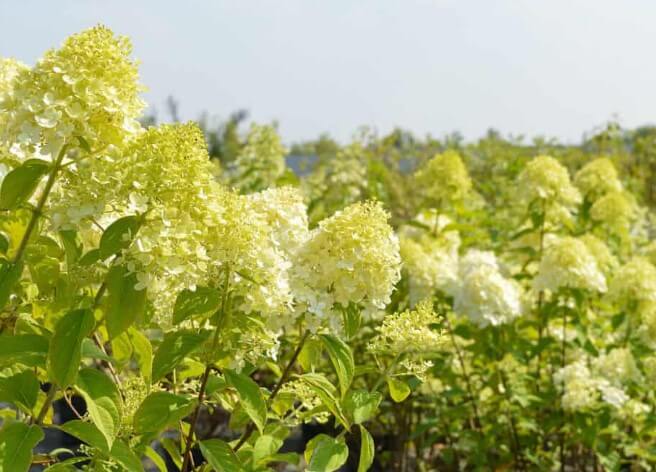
[[484, 294], [410, 331], [444, 178], [87, 88], [634, 283], [568, 263], [546, 180], [261, 161], [430, 256], [351, 257], [597, 178]]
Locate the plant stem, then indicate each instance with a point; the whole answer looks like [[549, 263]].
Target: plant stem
[[187, 456], [38, 210], [562, 409], [283, 378], [461, 361], [46, 405]]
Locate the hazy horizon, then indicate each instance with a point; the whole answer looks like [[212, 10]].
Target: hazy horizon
[[556, 69]]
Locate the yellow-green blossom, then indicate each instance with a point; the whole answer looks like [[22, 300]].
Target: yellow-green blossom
[[547, 181], [635, 282], [88, 88], [444, 178], [568, 263], [600, 251], [261, 162], [409, 331], [352, 257], [616, 210], [597, 178]]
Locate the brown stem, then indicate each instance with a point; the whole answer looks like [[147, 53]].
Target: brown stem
[[283, 378], [187, 455], [38, 210]]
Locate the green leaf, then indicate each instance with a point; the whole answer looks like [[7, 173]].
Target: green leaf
[[252, 400], [161, 409], [20, 389], [27, 349], [19, 184], [310, 355], [118, 235], [220, 456], [326, 392], [367, 450], [143, 353], [265, 447], [342, 359], [156, 459], [326, 454], [172, 449], [352, 320], [16, 443], [361, 405], [398, 389], [123, 454], [91, 351], [199, 302], [65, 350], [86, 432], [9, 275], [71, 247], [125, 304], [173, 349], [103, 401]]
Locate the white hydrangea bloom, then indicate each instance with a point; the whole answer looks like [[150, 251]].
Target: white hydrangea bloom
[[580, 387], [567, 263], [351, 257], [635, 281], [484, 294]]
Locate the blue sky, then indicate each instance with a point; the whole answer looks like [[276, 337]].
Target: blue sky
[[556, 68]]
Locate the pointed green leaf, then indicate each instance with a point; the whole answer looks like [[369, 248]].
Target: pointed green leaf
[[27, 349], [326, 392], [173, 349], [327, 454], [118, 235], [398, 389], [65, 350], [361, 405], [342, 359], [143, 353], [86, 432], [220, 456], [20, 389], [124, 455], [190, 303], [103, 401], [252, 400], [16, 443], [19, 184], [367, 450], [161, 409], [125, 304]]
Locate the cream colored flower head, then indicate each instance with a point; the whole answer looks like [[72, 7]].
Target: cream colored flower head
[[88, 88], [9, 70], [597, 178], [546, 179], [606, 261], [615, 210], [635, 281], [568, 263], [261, 161], [351, 257], [484, 294], [409, 331], [444, 178], [429, 267]]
